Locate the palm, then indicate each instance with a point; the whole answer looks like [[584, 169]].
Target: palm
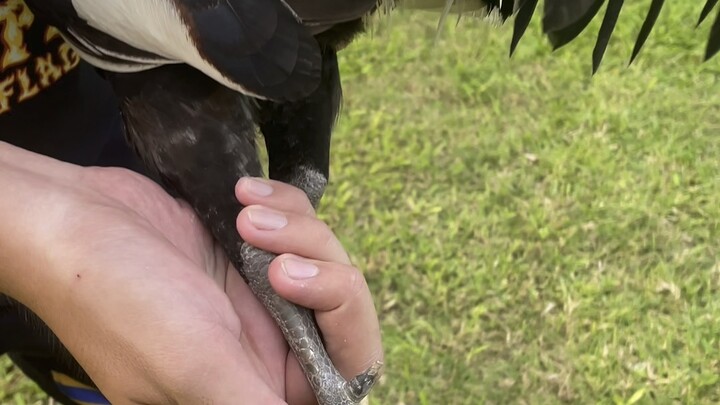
[[136, 290], [158, 220]]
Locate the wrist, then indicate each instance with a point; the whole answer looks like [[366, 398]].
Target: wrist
[[32, 203]]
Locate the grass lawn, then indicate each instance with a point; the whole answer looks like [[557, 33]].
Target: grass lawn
[[531, 234]]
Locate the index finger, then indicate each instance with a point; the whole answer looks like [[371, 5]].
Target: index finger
[[273, 194]]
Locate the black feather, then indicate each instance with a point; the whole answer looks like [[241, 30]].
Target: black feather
[[561, 14], [331, 11], [713, 45], [258, 44], [606, 30], [563, 28], [522, 20], [507, 8], [647, 27], [706, 10]]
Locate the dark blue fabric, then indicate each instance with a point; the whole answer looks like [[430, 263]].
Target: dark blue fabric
[[50, 102], [84, 395]]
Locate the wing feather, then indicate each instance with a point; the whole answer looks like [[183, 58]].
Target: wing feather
[[258, 47], [259, 44]]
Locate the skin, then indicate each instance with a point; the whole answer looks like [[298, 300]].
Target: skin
[[142, 297]]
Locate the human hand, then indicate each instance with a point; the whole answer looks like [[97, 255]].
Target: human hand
[[157, 313], [321, 278]]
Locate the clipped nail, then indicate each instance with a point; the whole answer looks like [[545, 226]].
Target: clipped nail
[[267, 220], [258, 187], [298, 270]]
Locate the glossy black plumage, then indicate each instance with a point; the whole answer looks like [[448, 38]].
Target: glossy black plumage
[[258, 44], [522, 20], [713, 45], [606, 30], [562, 26], [652, 16], [561, 14], [564, 20], [706, 10], [330, 12]]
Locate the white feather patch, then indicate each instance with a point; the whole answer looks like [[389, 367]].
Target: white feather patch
[[150, 25], [96, 59]]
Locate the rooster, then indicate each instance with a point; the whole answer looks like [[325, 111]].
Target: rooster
[[198, 78]]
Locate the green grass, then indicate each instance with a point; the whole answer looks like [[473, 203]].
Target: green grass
[[531, 234]]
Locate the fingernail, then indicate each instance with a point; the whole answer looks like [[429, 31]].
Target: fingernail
[[258, 187], [267, 220], [298, 270]]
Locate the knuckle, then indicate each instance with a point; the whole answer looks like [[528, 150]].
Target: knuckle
[[309, 210], [300, 199], [295, 194], [327, 236], [357, 284], [328, 243], [304, 201]]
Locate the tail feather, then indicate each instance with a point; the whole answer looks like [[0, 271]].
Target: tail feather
[[647, 27], [524, 16], [560, 15], [713, 45], [606, 30], [564, 20], [563, 23], [706, 10]]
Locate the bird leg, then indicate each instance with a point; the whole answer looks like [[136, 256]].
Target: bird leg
[[297, 136], [200, 137]]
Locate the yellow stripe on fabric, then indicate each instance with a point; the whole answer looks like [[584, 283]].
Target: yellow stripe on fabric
[[61, 378]]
